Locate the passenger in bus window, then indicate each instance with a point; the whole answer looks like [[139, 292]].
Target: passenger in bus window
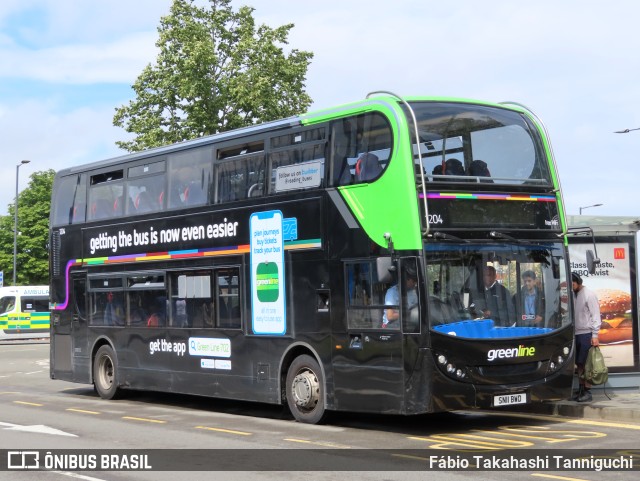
[[181, 313], [367, 167], [155, 317], [495, 302], [144, 202], [114, 310], [453, 167], [179, 181], [531, 301], [479, 168], [392, 298]]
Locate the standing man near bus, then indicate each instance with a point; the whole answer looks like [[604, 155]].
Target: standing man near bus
[[587, 326]]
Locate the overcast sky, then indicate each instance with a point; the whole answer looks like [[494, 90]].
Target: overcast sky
[[65, 65]]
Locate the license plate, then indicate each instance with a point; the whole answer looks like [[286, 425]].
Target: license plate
[[510, 399]]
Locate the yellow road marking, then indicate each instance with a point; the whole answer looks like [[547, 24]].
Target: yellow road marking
[[10, 392], [220, 430], [27, 403], [605, 424], [556, 419], [447, 441], [318, 443], [146, 420], [82, 411]]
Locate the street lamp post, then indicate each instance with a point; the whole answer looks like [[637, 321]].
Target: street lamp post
[[589, 206], [15, 224]]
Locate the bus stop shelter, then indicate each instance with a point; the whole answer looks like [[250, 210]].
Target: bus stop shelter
[[616, 284]]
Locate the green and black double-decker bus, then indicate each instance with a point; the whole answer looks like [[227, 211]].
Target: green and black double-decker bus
[[331, 261]]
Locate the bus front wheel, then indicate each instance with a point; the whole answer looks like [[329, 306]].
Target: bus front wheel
[[305, 390], [105, 373]]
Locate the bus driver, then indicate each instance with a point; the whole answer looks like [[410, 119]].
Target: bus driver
[[392, 298]]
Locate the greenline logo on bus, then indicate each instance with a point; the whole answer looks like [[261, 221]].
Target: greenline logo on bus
[[520, 351]]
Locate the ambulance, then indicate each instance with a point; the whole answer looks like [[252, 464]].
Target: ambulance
[[24, 312]]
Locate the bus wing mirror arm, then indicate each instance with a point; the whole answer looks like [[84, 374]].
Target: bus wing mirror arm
[[387, 237], [592, 256]]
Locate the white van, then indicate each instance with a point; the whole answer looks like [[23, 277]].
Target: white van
[[24, 312]]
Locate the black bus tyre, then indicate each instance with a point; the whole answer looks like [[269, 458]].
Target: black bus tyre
[[105, 373], [305, 390]]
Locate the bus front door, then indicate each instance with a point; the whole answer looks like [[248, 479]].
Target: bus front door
[[368, 358], [368, 370]]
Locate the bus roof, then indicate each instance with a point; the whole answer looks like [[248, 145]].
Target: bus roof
[[267, 126]]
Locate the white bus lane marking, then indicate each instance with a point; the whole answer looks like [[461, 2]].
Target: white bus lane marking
[[505, 437], [36, 428]]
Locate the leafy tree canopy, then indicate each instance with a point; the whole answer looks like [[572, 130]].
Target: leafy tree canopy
[[33, 233], [216, 71]]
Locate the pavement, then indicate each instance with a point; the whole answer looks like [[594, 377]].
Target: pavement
[[621, 405]]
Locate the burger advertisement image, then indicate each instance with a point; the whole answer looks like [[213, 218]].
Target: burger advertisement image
[[615, 311], [612, 283]]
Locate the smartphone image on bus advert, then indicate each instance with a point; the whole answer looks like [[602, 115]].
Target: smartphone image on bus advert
[[267, 273]]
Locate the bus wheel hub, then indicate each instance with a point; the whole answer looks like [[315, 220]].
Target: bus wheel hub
[[305, 389]]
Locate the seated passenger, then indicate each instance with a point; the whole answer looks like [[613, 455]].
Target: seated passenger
[[367, 167], [156, 317], [453, 167], [478, 168], [145, 203]]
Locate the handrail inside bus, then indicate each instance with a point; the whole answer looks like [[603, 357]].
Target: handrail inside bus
[[478, 178], [415, 126], [553, 158]]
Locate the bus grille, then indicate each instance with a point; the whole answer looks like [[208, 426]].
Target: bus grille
[[509, 369]]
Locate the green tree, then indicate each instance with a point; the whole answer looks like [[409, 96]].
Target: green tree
[[216, 71], [34, 203]]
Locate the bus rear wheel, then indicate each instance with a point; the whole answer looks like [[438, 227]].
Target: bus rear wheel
[[305, 390], [105, 373]]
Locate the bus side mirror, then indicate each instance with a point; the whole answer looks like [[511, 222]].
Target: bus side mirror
[[385, 269], [592, 262]]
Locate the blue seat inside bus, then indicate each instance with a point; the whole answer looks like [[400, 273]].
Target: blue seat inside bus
[[486, 329]]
